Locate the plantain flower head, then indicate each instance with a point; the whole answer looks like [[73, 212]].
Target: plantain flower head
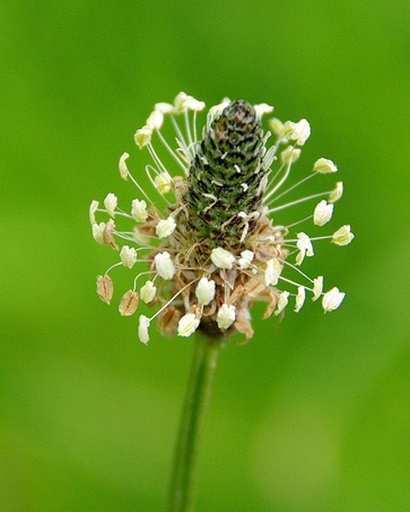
[[209, 237]]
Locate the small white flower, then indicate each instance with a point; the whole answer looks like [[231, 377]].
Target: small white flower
[[139, 210], [143, 329], [122, 166], [337, 193], [147, 292], [163, 183], [301, 132], [263, 108], [222, 258], [226, 316], [155, 120], [164, 265], [143, 136], [323, 213], [246, 259], [290, 155], [110, 203], [282, 302], [205, 291], [98, 232], [305, 247], [317, 287], [300, 298], [187, 325], [272, 272], [332, 299], [128, 256], [92, 210], [165, 227], [343, 236], [324, 166]]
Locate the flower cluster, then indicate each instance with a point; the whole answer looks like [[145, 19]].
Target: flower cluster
[[207, 241]]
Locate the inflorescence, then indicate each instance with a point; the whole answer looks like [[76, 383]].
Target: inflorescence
[[207, 241]]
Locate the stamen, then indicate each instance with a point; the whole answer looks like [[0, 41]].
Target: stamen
[[171, 152], [188, 128], [171, 300], [112, 266], [147, 169], [281, 182], [147, 272], [178, 131], [290, 281], [298, 201], [139, 187], [292, 188], [194, 125], [294, 267], [156, 158], [299, 222]]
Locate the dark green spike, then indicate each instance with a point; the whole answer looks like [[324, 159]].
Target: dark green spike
[[225, 176]]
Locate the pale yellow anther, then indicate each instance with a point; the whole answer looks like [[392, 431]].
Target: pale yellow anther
[[143, 326], [164, 265], [305, 247], [282, 303], [163, 183], [226, 316], [272, 272], [332, 299], [262, 109], [92, 210], [98, 232], [317, 287], [187, 325], [343, 236], [222, 258], [122, 166], [276, 126], [147, 292], [155, 120], [205, 291], [290, 155], [139, 210], [165, 227], [337, 193], [128, 256], [323, 213], [301, 132], [246, 259], [110, 203], [300, 298], [143, 136], [324, 166]]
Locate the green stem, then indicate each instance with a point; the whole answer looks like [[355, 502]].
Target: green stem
[[192, 420]]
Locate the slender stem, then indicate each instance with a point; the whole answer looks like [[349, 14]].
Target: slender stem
[[192, 419]]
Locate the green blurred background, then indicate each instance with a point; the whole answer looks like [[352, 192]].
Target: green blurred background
[[313, 414]]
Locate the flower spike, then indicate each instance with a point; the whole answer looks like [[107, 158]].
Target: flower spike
[[208, 247]]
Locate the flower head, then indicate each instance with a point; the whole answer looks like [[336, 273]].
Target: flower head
[[203, 238]]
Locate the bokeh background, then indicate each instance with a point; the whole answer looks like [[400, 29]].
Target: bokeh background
[[313, 414]]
